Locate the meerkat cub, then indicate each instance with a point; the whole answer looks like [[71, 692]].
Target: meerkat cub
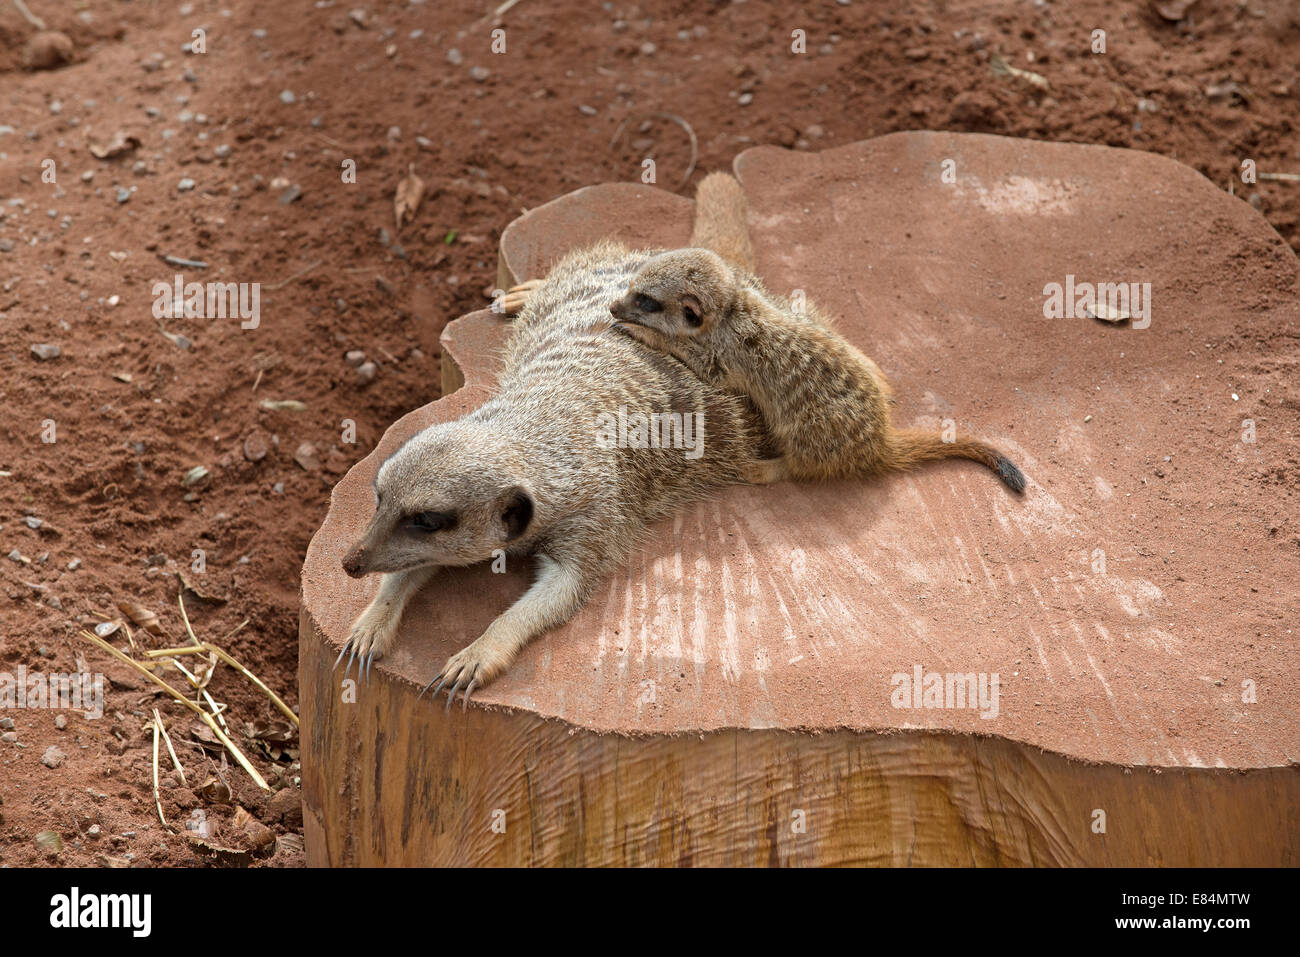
[[825, 404]]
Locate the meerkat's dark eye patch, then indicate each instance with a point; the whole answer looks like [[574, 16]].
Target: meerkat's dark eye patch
[[646, 303], [425, 522]]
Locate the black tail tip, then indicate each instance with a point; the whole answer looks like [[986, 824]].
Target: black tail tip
[[1011, 474]]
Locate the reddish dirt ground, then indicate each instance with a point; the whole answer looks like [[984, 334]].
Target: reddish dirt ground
[[281, 102]]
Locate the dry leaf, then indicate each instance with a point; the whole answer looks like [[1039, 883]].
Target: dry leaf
[[203, 596], [1103, 311], [1228, 92], [283, 405], [142, 617], [204, 736], [119, 144], [1173, 10], [50, 842], [410, 191], [230, 856], [277, 731], [1004, 68], [215, 790]]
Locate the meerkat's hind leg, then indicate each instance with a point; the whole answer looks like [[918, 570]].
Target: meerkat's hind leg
[[559, 591], [516, 297], [375, 629], [767, 471]]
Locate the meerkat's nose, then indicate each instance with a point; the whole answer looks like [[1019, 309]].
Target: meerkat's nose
[[354, 562]]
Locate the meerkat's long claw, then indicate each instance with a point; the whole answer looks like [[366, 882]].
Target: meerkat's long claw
[[342, 651], [348, 670], [451, 695], [430, 685], [369, 658], [464, 702]]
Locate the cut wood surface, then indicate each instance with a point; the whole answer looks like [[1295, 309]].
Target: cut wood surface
[[732, 696]]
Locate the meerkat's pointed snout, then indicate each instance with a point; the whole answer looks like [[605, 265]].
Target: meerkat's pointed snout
[[354, 562]]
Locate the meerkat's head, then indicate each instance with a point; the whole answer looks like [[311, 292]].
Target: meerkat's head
[[681, 294], [452, 495]]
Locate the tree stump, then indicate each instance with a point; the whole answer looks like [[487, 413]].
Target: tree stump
[[741, 693]]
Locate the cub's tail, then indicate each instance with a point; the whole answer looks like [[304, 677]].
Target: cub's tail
[[720, 220], [909, 448]]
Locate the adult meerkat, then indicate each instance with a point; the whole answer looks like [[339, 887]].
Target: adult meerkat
[[527, 473], [825, 404]]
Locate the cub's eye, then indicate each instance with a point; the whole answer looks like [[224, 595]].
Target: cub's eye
[[692, 317], [646, 304], [430, 521]]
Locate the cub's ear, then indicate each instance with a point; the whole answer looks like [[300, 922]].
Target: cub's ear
[[692, 311], [515, 511]]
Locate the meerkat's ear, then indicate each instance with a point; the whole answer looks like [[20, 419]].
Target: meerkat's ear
[[515, 511], [692, 311]]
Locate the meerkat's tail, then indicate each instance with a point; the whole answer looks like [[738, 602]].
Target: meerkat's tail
[[908, 448], [720, 220]]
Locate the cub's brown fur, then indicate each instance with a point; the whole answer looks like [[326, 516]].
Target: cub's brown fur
[[825, 404]]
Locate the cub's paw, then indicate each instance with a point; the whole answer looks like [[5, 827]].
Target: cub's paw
[[372, 636], [516, 297], [472, 667]]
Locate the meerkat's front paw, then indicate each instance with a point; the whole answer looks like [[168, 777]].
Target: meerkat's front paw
[[516, 297], [473, 667], [372, 636]]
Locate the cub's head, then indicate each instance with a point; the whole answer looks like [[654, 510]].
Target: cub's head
[[682, 294], [452, 495]]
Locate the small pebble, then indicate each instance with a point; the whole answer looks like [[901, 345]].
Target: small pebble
[[355, 358], [454, 57], [185, 185], [123, 194], [222, 151], [60, 721], [47, 350], [286, 96], [366, 372], [32, 522], [306, 457], [53, 756], [478, 73]]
